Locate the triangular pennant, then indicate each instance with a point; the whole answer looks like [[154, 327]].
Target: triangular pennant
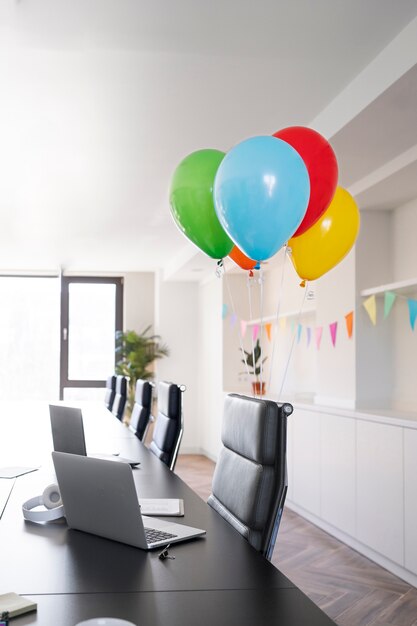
[[268, 330], [243, 327], [224, 311], [318, 333], [412, 309], [282, 323], [389, 299], [233, 320], [333, 332], [349, 324], [255, 331], [370, 307], [299, 331], [308, 329]]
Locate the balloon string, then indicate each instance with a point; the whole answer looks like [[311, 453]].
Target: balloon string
[[261, 285], [277, 314], [239, 330], [249, 284], [293, 340]]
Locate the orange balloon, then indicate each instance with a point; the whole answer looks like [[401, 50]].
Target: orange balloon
[[241, 259]]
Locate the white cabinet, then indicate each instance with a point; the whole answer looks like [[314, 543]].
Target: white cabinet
[[410, 496], [338, 471], [305, 459], [355, 475], [380, 499]]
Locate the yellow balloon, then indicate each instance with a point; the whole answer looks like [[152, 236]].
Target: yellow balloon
[[328, 241]]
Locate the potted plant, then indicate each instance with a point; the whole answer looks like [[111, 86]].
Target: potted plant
[[255, 361], [135, 356]]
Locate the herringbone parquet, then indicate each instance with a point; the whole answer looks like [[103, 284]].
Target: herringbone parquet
[[352, 590]]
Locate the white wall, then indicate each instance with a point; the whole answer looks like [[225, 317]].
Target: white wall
[[178, 324], [139, 301], [374, 266], [209, 350], [336, 365], [404, 389]]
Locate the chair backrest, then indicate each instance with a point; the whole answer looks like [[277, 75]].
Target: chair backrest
[[110, 392], [250, 479], [141, 414], [120, 397], [168, 429]]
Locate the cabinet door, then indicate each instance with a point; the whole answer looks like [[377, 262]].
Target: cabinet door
[[380, 501], [306, 455], [338, 472], [410, 497]]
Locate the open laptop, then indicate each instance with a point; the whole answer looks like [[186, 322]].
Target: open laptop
[[68, 433], [100, 497]]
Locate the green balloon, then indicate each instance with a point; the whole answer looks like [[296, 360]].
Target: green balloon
[[192, 205]]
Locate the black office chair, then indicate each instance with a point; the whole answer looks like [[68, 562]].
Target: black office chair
[[250, 479], [169, 427], [120, 397], [110, 392], [141, 415]]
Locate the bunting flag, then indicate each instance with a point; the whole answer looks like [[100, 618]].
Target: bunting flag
[[412, 309], [389, 299], [268, 330], [349, 324], [318, 333], [333, 332], [370, 307]]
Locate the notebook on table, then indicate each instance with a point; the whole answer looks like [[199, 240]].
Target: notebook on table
[[68, 434], [90, 484]]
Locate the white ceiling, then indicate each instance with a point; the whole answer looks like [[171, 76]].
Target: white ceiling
[[101, 99]]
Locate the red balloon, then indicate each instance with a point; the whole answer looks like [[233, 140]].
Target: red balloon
[[241, 259], [321, 164]]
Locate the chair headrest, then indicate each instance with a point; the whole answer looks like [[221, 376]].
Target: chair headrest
[[143, 393], [121, 385], [169, 399], [111, 382], [250, 427]]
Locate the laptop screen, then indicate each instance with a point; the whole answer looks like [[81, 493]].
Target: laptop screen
[[67, 429]]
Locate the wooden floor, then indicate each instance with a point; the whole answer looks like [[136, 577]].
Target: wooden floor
[[350, 588]]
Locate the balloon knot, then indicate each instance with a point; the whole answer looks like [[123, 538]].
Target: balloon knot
[[250, 274], [303, 283]]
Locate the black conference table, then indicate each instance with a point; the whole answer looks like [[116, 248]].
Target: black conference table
[[73, 576]]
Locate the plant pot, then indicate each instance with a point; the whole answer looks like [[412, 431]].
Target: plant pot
[[258, 388]]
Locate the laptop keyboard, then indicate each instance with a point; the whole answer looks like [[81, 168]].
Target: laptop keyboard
[[152, 535]]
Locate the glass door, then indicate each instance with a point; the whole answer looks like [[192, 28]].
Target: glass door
[[91, 312]]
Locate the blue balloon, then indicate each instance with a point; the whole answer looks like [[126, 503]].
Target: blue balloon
[[261, 193]]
